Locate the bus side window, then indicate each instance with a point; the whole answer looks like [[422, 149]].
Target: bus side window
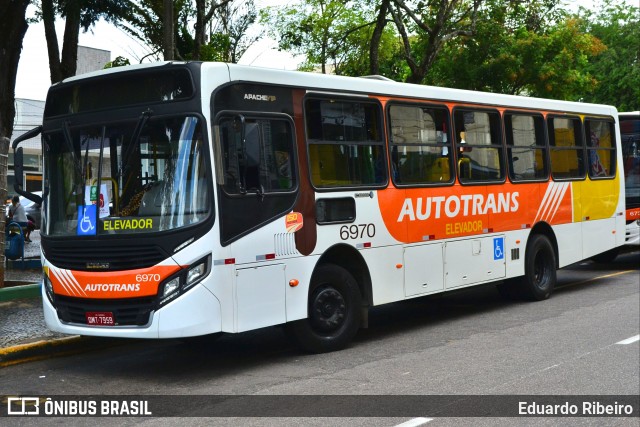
[[565, 139], [420, 147], [526, 147], [601, 148], [479, 145], [345, 143]]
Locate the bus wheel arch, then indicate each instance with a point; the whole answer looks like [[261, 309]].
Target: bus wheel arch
[[351, 260], [335, 302], [546, 230], [541, 261]]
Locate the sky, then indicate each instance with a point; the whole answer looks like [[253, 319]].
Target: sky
[[33, 78]]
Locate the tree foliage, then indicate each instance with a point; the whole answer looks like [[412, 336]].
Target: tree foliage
[[205, 30], [536, 50], [617, 70], [329, 33], [432, 23]]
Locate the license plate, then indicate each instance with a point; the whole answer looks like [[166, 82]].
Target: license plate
[[99, 318]]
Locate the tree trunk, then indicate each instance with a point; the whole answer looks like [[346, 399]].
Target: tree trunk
[[53, 50], [69, 61], [62, 66], [13, 27], [199, 39], [374, 49], [168, 41]]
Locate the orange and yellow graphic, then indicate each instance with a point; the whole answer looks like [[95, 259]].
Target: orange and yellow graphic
[[418, 214]]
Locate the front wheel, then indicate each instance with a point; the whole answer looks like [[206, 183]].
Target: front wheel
[[333, 311], [540, 269]]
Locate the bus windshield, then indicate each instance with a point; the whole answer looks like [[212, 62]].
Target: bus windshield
[[139, 176]]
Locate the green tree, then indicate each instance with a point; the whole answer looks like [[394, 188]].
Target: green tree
[[77, 14], [206, 30], [427, 25], [118, 62], [331, 34], [617, 70], [533, 49]]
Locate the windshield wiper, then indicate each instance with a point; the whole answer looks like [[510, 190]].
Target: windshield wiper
[[69, 141], [142, 121]]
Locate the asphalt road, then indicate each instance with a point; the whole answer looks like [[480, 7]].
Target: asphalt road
[[466, 343]]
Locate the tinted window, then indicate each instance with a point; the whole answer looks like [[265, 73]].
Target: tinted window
[[479, 145], [346, 146], [257, 155], [526, 147], [601, 148], [420, 146], [565, 139], [120, 90]]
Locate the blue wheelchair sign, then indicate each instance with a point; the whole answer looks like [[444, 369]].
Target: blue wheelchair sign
[[498, 248], [86, 219]]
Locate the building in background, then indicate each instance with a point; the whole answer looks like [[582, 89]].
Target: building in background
[[29, 115]]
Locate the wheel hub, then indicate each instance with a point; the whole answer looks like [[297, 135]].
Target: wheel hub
[[328, 310]]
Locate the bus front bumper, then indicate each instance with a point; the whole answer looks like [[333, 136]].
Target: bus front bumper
[[632, 234], [196, 312]]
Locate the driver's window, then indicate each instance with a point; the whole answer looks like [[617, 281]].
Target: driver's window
[[257, 155]]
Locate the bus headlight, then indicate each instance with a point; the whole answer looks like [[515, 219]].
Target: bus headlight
[[184, 280], [170, 287], [195, 274]]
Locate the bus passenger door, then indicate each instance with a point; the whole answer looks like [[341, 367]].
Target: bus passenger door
[[474, 261], [424, 271], [260, 297]]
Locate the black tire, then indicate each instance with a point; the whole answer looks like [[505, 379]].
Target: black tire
[[539, 269], [333, 311], [606, 257]]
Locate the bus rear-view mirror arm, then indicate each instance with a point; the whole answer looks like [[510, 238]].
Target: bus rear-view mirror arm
[[18, 164]]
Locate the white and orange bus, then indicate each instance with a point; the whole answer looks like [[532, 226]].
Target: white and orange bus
[[186, 199]]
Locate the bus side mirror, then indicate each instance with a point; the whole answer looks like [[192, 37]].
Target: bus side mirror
[[18, 164]]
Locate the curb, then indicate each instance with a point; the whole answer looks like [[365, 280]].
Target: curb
[[17, 292], [54, 348], [28, 263]]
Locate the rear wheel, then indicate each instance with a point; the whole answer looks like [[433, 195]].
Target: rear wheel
[[539, 270], [333, 311]]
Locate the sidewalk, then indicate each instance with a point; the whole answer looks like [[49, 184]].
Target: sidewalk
[[24, 336], [21, 317]]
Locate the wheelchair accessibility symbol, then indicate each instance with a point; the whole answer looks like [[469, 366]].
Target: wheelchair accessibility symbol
[[86, 218], [498, 248]]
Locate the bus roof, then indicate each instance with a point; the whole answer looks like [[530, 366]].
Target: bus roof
[[359, 85], [374, 86]]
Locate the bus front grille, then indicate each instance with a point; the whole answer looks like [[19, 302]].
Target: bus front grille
[[86, 258], [126, 312]]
